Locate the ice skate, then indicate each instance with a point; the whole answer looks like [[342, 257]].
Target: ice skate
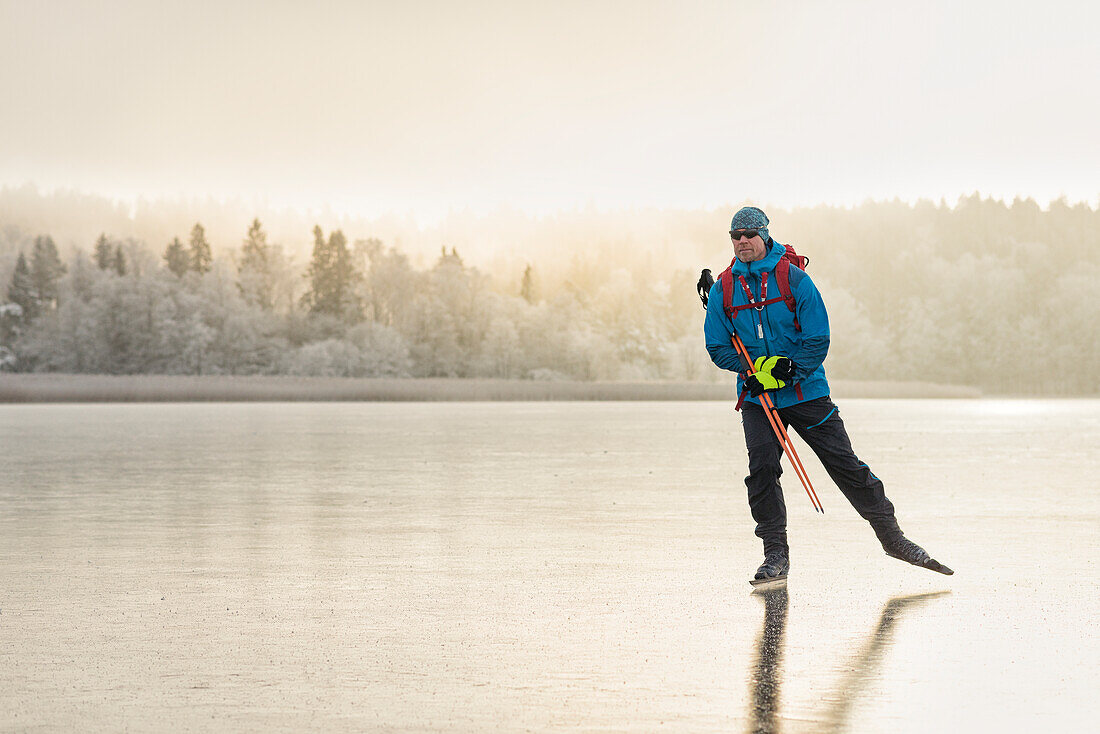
[[906, 550], [772, 573]]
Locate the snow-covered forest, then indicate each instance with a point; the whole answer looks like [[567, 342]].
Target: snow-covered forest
[[1000, 296]]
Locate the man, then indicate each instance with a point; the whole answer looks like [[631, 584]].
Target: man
[[788, 349]]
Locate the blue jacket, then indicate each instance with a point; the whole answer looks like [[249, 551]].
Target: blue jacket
[[806, 348]]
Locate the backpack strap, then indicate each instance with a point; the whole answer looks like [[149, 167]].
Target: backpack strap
[[783, 278], [726, 278]]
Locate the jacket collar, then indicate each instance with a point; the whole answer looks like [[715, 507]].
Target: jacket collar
[[768, 262]]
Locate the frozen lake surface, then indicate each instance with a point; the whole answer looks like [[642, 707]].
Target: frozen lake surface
[[550, 566]]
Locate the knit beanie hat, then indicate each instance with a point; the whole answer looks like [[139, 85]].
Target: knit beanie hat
[[749, 217]]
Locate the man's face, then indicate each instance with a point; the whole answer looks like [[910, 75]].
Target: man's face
[[748, 249]]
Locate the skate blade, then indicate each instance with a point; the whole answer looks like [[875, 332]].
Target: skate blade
[[931, 564], [934, 565], [778, 582]]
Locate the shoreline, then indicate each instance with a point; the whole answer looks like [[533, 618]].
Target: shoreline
[[65, 388]]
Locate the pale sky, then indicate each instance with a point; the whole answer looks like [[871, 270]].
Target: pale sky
[[426, 107]]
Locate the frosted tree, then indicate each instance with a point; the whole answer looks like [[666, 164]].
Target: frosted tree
[[448, 319], [247, 339], [199, 251], [368, 350], [68, 339], [285, 280], [104, 257], [84, 275], [176, 258], [388, 283], [254, 277], [21, 291], [527, 287], [630, 311], [501, 354], [46, 272], [383, 351], [118, 262], [332, 278], [11, 317], [318, 270]]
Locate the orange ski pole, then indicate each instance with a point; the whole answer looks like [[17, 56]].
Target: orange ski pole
[[777, 426]]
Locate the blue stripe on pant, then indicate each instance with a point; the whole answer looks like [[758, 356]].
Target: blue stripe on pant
[[818, 423]]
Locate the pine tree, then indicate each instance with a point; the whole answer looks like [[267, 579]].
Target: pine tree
[[254, 249], [317, 273], [118, 262], [527, 288], [332, 277], [344, 277], [21, 290], [320, 266], [254, 277], [46, 271], [199, 253], [103, 259], [176, 257]]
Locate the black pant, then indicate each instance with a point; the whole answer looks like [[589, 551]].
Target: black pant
[[818, 423]]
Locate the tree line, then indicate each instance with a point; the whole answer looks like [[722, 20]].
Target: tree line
[[361, 310], [983, 293]]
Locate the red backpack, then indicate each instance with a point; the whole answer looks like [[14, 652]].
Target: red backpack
[[782, 275]]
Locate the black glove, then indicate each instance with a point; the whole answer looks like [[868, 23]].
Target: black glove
[[780, 368], [783, 369], [706, 282], [760, 382]]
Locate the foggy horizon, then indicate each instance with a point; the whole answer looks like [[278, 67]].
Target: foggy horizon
[[426, 109], [259, 204], [75, 218]]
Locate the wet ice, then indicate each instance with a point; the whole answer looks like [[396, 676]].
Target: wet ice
[[542, 566]]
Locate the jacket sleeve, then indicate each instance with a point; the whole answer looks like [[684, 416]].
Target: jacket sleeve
[[814, 321], [718, 330]]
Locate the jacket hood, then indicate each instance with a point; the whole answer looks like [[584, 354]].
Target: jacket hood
[[768, 262]]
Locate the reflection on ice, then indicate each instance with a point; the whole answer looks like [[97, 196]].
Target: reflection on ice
[[865, 665], [767, 673], [769, 654]]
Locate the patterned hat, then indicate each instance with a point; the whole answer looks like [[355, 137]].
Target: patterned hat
[[749, 217]]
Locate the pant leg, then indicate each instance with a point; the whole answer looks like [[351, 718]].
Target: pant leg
[[819, 424], [765, 493]]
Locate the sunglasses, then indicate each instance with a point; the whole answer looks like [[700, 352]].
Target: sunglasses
[[737, 234]]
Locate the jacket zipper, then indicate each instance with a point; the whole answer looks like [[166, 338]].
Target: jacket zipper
[[760, 314]]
